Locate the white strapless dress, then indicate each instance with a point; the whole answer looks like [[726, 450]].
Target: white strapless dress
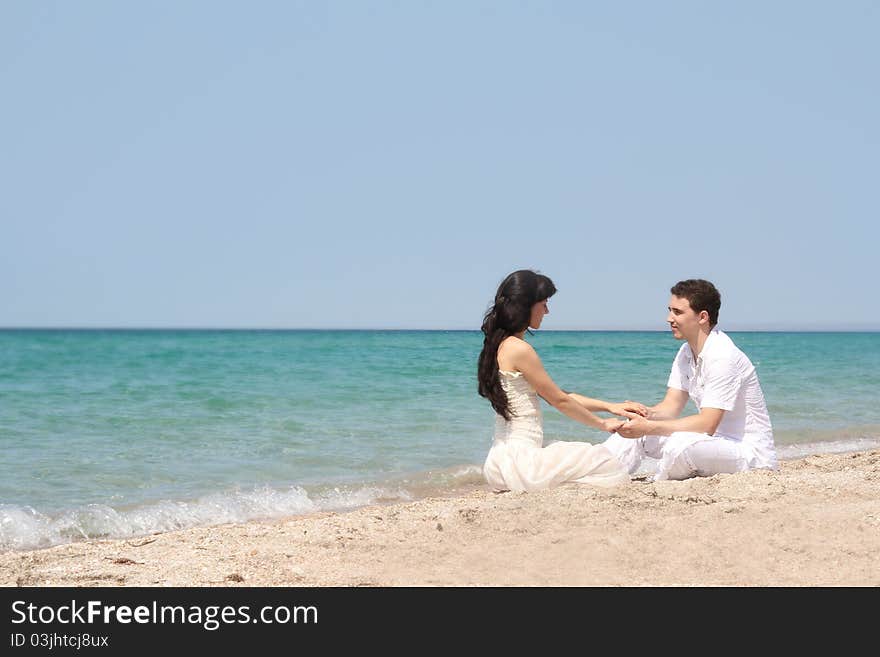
[[519, 461]]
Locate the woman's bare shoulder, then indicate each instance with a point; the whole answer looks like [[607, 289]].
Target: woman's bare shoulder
[[513, 343], [511, 350]]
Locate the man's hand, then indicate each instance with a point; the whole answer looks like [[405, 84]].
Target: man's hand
[[635, 428]]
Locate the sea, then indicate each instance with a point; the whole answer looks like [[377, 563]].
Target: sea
[[125, 433]]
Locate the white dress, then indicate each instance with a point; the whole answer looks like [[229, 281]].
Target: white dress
[[518, 459]]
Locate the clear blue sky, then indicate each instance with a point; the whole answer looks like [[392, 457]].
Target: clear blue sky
[[386, 164]]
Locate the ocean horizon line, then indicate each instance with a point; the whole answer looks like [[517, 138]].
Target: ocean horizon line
[[368, 329]]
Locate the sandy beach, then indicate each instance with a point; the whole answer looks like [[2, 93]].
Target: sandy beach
[[814, 522]]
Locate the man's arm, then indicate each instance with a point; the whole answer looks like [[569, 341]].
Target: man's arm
[[671, 406], [706, 421], [722, 385], [663, 418]]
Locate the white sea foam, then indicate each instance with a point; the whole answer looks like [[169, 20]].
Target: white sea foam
[[799, 450], [25, 528]]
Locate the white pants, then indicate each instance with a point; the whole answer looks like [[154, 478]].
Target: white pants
[[681, 455]]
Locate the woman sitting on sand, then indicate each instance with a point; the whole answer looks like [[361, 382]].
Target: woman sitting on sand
[[511, 377]]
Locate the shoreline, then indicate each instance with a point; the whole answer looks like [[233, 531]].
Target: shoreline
[[813, 522], [452, 481]]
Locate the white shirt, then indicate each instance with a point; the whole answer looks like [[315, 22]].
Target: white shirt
[[723, 377]]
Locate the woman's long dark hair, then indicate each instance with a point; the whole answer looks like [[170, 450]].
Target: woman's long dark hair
[[508, 316]]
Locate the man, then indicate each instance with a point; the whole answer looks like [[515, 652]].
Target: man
[[732, 431]]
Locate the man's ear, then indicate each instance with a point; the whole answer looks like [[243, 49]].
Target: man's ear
[[704, 317]]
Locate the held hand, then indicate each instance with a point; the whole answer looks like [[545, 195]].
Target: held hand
[[635, 428], [626, 408], [613, 424]]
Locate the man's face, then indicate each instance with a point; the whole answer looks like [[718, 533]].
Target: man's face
[[684, 322]]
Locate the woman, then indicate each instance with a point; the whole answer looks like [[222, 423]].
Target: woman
[[512, 377]]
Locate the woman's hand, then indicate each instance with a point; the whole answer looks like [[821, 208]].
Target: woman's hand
[[625, 408], [612, 424]]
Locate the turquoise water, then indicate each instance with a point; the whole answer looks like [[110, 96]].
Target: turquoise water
[[120, 433]]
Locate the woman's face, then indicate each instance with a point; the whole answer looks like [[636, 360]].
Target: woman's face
[[538, 311]]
